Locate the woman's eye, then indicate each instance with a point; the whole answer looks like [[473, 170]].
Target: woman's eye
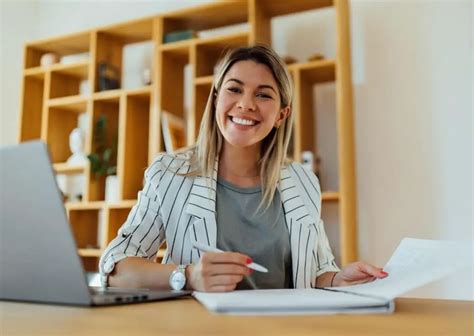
[[234, 90], [264, 95]]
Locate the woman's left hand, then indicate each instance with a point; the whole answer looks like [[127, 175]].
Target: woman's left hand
[[358, 273]]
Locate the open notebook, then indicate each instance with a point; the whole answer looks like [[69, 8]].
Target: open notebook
[[414, 263]]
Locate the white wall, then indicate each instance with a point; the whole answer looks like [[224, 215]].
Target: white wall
[[412, 72]]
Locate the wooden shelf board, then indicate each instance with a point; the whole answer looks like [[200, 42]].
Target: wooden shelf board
[[208, 16], [36, 72], [316, 71], [96, 205], [144, 91], [224, 41], [180, 48], [109, 95], [79, 69], [71, 103], [204, 80], [276, 8], [125, 204], [67, 169], [330, 196], [75, 43], [132, 31], [88, 252]]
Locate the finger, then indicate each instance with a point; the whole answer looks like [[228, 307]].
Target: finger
[[229, 269], [229, 257], [372, 270]]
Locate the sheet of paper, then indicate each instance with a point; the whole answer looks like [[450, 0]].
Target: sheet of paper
[[290, 301], [417, 262]]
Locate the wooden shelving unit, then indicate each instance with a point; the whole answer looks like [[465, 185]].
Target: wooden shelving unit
[[52, 100]]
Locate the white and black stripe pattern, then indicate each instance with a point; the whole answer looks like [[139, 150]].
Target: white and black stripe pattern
[[183, 209]]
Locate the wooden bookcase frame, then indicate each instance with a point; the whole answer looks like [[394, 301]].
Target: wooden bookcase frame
[[51, 101]]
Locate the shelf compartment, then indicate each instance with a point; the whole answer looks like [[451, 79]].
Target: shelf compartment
[[274, 8], [134, 31], [135, 124], [208, 16], [60, 122], [70, 44], [31, 108], [116, 217], [110, 109], [85, 227], [316, 71], [67, 169], [171, 96], [210, 50], [201, 95], [66, 79]]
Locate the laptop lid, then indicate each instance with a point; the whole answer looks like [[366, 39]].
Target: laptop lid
[[38, 257]]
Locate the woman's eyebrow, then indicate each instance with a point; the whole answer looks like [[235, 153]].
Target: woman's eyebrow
[[262, 86]]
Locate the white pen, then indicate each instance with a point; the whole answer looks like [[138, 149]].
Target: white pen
[[206, 248]]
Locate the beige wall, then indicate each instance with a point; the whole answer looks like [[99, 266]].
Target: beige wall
[[412, 73]]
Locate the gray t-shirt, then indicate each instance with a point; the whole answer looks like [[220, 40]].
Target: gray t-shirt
[[263, 236]]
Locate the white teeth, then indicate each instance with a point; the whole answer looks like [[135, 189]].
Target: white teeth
[[243, 121]]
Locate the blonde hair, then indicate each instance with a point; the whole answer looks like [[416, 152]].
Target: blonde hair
[[274, 145]]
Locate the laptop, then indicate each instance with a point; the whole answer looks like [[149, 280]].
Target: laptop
[[38, 254]]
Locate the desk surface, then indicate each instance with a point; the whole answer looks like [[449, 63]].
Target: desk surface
[[187, 317]]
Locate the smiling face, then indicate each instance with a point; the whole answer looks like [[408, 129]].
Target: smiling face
[[248, 104]]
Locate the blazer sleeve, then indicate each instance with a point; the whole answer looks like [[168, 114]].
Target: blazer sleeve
[[142, 233], [323, 257]]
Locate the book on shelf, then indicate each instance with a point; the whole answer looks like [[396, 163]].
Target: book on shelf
[[173, 130]]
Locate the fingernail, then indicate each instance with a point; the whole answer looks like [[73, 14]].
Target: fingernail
[[249, 261], [384, 273], [249, 270]]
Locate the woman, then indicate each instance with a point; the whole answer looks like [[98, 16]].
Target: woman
[[236, 191]]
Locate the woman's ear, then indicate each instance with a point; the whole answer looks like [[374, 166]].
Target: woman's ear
[[282, 115]]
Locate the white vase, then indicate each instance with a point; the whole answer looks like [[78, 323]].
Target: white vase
[[111, 189]]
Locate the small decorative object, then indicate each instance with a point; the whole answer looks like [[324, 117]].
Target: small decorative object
[[49, 59], [109, 76], [289, 60], [111, 189], [76, 144], [173, 130], [307, 160], [146, 76], [179, 36], [104, 159], [315, 57]]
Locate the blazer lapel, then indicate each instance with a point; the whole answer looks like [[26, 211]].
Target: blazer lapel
[[301, 227], [202, 206]]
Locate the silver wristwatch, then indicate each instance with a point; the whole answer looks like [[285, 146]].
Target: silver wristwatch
[[178, 278]]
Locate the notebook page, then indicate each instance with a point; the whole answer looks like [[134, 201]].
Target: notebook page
[[414, 263]]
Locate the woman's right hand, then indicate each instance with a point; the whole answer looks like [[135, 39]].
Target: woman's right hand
[[218, 272]]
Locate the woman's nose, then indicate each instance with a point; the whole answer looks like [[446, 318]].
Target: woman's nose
[[246, 103]]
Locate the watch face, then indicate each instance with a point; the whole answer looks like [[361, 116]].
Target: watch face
[[178, 280]]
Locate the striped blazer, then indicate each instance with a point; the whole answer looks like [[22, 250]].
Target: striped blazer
[[179, 209]]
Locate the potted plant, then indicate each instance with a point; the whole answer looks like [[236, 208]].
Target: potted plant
[[104, 159]]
